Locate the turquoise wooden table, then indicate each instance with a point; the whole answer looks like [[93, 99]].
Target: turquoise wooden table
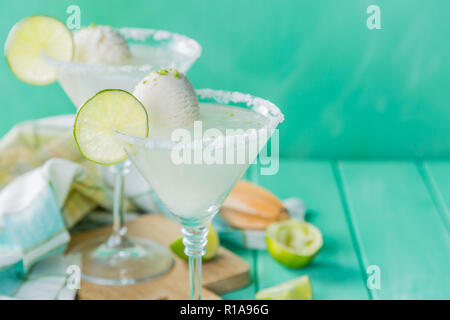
[[346, 92], [389, 214]]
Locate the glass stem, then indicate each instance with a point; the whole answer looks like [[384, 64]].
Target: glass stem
[[194, 239], [119, 229]]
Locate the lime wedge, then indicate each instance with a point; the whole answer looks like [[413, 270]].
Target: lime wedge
[[101, 117], [30, 40], [293, 243], [297, 289], [212, 246]]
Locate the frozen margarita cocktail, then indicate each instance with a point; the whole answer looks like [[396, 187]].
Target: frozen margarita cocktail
[[191, 146], [40, 50]]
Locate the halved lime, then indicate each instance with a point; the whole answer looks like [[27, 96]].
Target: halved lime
[[33, 38], [100, 119], [212, 246], [293, 243], [297, 289]]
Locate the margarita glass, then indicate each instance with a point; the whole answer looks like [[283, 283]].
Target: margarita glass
[[117, 259], [194, 187]]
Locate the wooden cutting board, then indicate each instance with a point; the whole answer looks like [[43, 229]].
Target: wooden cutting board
[[224, 273]]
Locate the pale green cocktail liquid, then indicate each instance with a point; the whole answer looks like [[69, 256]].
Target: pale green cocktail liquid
[[197, 189]]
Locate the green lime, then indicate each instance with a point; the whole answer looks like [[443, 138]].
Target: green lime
[[212, 246], [30, 40], [101, 117], [293, 243], [297, 289]]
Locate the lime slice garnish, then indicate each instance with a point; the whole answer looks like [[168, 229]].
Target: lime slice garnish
[[293, 243], [100, 119], [33, 38], [297, 289], [212, 246]]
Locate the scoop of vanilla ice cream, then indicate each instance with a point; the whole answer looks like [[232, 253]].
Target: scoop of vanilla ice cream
[[100, 45], [169, 98]]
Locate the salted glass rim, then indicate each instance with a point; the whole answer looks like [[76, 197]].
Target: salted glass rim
[[259, 105], [136, 34]]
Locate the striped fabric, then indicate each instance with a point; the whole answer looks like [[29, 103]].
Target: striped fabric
[[46, 187]]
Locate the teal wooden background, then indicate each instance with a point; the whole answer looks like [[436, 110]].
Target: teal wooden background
[[347, 91], [384, 214]]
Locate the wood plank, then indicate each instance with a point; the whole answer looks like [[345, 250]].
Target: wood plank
[[398, 229], [437, 173], [335, 273], [226, 272], [247, 292]]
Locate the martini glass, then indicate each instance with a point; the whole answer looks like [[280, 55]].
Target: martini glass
[[118, 259], [194, 188]]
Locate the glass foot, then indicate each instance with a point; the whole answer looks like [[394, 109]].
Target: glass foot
[[123, 261]]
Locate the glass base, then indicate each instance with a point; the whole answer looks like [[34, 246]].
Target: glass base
[[107, 261]]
